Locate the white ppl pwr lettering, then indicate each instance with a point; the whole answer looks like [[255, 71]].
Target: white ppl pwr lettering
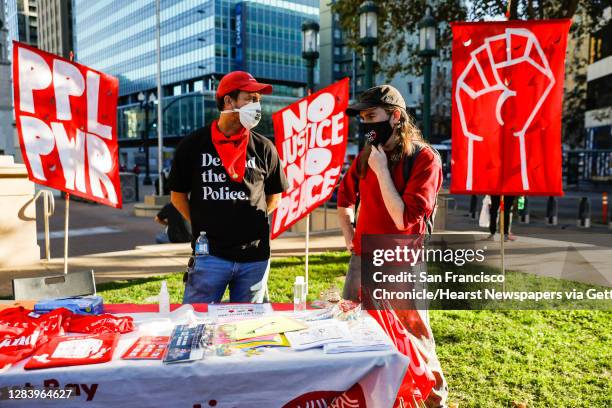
[[40, 139]]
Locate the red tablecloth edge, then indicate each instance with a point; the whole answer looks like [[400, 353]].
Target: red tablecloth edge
[[154, 307]]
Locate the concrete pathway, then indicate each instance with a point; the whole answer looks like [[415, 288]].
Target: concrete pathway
[[150, 260], [584, 256]]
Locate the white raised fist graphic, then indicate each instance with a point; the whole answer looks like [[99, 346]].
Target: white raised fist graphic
[[508, 65]]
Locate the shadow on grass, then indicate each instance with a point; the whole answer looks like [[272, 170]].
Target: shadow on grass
[[319, 259], [124, 284], [314, 260]]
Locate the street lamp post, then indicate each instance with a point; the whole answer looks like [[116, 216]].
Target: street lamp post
[[310, 50], [368, 38], [427, 49], [146, 104]]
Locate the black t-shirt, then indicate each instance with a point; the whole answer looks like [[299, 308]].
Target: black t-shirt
[[234, 215], [178, 229]]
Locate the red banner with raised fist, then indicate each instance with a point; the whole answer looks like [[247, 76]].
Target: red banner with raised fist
[[507, 104], [66, 116], [311, 137]]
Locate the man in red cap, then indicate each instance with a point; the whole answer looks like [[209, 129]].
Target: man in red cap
[[226, 179]]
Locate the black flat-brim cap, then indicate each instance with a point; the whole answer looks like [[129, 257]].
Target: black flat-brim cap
[[381, 95]]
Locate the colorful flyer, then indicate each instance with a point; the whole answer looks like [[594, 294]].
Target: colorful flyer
[[231, 312], [186, 344], [147, 348]]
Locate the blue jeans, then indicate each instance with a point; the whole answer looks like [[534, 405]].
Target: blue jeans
[[210, 275], [162, 238]]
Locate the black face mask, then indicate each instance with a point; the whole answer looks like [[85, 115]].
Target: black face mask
[[377, 133]]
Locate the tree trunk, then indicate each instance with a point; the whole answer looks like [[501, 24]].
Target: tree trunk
[[513, 9], [530, 11], [570, 8]]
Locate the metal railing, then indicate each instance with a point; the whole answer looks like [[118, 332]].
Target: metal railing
[[48, 210]]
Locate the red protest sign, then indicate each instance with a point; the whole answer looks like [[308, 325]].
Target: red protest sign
[[310, 137], [67, 123], [507, 104]]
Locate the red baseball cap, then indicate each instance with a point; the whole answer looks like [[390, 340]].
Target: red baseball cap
[[243, 81]]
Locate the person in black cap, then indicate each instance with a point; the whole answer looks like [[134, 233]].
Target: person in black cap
[[391, 200]]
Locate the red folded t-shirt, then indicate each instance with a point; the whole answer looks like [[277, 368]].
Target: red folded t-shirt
[[74, 350], [104, 323], [23, 331]]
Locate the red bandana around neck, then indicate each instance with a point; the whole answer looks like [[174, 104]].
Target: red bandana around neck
[[232, 151]]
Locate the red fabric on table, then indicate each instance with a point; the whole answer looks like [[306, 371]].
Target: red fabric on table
[[47, 355], [97, 324], [23, 331], [153, 307], [419, 380]]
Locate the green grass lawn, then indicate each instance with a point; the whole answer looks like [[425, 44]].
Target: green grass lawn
[[555, 358]]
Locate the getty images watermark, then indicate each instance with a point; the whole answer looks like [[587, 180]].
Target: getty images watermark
[[464, 271]]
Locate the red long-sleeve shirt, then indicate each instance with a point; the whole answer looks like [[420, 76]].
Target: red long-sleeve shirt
[[418, 194]]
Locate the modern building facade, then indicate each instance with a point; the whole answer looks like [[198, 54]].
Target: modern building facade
[[27, 22], [55, 26], [598, 117], [200, 42], [337, 59], [19, 19], [7, 143]]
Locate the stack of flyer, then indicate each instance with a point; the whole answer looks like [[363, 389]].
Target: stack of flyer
[[223, 313], [319, 334], [362, 338], [187, 343], [147, 348]]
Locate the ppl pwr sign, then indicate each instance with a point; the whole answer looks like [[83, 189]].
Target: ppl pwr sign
[[310, 136], [66, 115]]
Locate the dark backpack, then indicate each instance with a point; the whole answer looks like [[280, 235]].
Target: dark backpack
[[408, 164]]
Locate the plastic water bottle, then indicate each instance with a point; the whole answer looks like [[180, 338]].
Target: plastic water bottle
[[299, 294], [164, 298], [201, 246]]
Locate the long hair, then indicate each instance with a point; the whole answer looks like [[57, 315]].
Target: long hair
[[409, 135]]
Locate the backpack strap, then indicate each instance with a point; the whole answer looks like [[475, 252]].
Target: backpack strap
[[407, 170], [409, 161]]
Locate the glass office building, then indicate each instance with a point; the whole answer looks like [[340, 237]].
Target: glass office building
[[200, 42]]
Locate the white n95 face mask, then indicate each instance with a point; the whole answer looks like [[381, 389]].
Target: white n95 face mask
[[250, 114]]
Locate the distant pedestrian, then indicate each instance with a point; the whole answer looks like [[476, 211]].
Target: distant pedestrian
[[165, 174], [177, 229], [495, 204]]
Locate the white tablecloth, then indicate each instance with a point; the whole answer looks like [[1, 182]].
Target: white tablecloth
[[272, 379]]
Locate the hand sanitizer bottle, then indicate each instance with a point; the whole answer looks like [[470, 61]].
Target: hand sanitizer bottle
[[299, 294], [164, 298]]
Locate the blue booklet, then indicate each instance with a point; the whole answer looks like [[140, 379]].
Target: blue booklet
[[187, 343], [93, 305]]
